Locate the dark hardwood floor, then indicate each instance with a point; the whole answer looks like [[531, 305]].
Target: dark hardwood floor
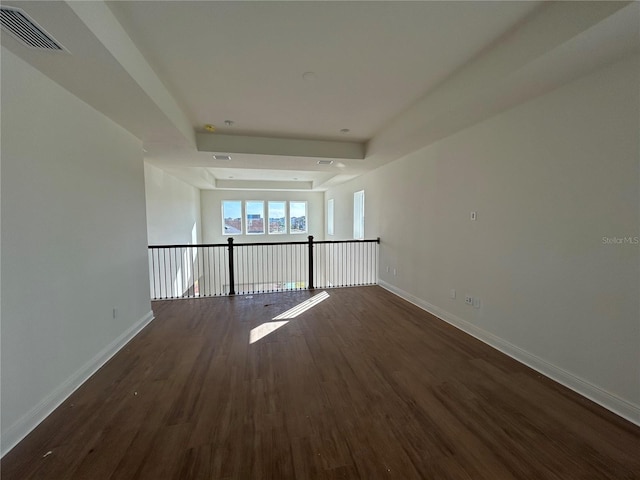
[[362, 385]]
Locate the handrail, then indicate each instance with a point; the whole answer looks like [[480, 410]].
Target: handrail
[[190, 245], [374, 240], [192, 270]]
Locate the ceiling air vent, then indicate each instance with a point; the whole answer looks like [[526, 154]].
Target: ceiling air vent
[[325, 162], [222, 157], [18, 24]]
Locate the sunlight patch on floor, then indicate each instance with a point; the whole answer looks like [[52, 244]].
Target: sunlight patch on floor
[[265, 329], [302, 307], [261, 331]]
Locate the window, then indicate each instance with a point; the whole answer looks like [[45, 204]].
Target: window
[[231, 217], [297, 217], [253, 213], [330, 216], [277, 217], [358, 215], [255, 217]]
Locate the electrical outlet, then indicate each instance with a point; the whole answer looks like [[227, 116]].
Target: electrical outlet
[[468, 299]]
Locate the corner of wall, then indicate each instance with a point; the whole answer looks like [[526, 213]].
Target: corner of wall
[[617, 405], [30, 420]]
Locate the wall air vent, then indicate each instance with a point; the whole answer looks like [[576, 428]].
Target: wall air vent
[[17, 23]]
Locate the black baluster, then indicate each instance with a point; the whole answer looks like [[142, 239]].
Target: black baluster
[[232, 287], [311, 262]]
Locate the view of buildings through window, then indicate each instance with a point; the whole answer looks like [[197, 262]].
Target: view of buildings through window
[[298, 215], [231, 217], [254, 214], [277, 217], [255, 217]]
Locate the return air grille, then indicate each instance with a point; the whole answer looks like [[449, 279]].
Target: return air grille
[[16, 22]]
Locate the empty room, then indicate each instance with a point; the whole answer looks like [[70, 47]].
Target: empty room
[[320, 240]]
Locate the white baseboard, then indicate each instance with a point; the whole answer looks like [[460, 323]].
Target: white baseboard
[[617, 405], [30, 420]]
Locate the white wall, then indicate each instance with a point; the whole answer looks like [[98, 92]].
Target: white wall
[[173, 209], [73, 244], [211, 202], [548, 180]]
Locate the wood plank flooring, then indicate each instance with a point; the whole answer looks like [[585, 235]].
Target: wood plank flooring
[[363, 385]]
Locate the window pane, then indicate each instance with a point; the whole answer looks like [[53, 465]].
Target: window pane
[[358, 215], [330, 216], [231, 217], [277, 217], [298, 216], [255, 217]]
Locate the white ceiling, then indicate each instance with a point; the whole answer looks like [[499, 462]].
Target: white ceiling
[[245, 60], [398, 75]]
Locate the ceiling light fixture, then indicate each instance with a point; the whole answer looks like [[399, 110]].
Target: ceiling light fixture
[[210, 128]]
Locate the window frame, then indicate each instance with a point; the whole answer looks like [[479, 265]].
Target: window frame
[[246, 215], [358, 215], [331, 217], [224, 229], [306, 217], [285, 208]]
